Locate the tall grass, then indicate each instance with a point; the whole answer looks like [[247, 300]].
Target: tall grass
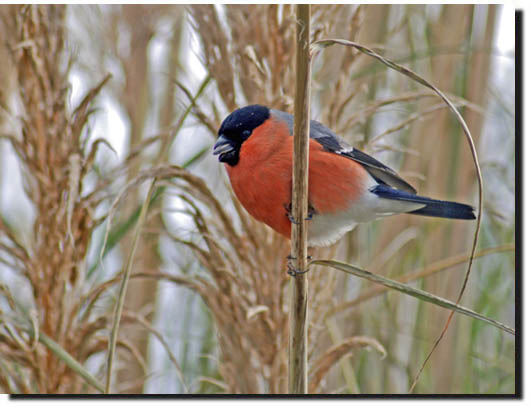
[[206, 309]]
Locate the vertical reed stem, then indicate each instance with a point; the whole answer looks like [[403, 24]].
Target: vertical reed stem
[[298, 351]]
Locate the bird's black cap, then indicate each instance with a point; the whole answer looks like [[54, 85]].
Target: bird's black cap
[[237, 127]]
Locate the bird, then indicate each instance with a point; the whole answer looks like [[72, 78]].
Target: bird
[[345, 185]]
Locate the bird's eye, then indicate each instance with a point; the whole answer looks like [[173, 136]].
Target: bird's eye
[[246, 133]]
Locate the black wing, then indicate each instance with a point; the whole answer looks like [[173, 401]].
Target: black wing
[[331, 142]]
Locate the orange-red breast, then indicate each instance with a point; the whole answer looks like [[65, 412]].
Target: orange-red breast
[[346, 186]]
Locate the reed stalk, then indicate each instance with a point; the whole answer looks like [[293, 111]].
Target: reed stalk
[[298, 343]]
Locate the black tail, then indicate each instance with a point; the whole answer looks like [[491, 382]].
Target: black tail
[[446, 209], [433, 208]]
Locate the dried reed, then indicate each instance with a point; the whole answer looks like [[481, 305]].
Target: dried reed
[[55, 338], [298, 346]]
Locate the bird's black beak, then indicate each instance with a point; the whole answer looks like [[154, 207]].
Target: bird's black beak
[[223, 145]]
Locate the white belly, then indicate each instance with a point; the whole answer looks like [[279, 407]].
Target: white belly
[[325, 229]]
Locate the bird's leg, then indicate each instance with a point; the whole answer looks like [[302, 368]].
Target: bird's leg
[[292, 271]]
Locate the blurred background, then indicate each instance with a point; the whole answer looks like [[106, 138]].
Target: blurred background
[[91, 99]]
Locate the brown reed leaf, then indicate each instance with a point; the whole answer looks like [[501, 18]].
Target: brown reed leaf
[[334, 354]]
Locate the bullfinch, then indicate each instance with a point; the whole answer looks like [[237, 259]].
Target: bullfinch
[[346, 186]]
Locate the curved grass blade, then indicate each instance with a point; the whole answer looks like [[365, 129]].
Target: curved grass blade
[[414, 76], [414, 292], [70, 361], [425, 273]]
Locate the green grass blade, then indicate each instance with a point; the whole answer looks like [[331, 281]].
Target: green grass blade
[[118, 232], [70, 361], [118, 308], [414, 292]]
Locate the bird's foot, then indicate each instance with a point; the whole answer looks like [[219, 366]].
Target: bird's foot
[[311, 212], [292, 220], [292, 271]]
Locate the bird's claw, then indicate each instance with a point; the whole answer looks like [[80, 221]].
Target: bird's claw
[[292, 220], [311, 212], [292, 271]]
